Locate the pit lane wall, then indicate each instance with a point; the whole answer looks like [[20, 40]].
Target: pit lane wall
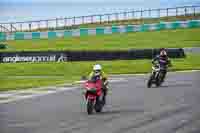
[[100, 30]]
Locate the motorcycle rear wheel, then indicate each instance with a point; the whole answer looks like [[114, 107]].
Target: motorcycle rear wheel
[[158, 83]]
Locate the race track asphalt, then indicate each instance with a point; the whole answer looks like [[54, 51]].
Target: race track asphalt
[[131, 108]]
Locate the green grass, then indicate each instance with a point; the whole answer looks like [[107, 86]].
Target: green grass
[[156, 39], [59, 73], [44, 74]]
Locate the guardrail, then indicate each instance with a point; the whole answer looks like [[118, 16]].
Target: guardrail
[[141, 16]]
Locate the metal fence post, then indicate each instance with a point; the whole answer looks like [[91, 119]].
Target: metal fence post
[[92, 18], [56, 23], [74, 21], [116, 17], [185, 11], [47, 25], [65, 21], [20, 26], [39, 25], [11, 28], [100, 17], [108, 18], [141, 15], [125, 15], [194, 12], [82, 19], [158, 13], [29, 26], [167, 12], [149, 12], [133, 14]]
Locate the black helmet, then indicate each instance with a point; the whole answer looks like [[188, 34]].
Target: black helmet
[[163, 52]]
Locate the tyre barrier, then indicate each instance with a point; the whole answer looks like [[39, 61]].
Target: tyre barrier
[[59, 56]]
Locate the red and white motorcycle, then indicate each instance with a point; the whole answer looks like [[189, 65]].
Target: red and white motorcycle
[[93, 95]]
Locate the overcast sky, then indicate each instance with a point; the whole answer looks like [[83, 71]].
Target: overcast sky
[[93, 1]]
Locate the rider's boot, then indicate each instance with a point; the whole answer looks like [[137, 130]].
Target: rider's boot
[[163, 77], [104, 96]]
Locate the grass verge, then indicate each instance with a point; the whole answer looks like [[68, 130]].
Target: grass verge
[[155, 39], [27, 75]]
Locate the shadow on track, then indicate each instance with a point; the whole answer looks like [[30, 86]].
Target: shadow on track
[[175, 85], [122, 111]]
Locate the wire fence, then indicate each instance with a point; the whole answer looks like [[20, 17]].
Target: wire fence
[[131, 17]]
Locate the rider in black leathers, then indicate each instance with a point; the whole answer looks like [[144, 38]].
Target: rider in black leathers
[[164, 61]]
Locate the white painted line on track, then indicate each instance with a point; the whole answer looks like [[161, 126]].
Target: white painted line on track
[[142, 74], [110, 80], [6, 95], [37, 93], [189, 71]]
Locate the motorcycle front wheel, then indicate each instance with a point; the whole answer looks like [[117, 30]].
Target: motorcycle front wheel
[[149, 83], [90, 107], [158, 80]]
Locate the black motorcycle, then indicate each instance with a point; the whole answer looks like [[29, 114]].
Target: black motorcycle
[[156, 77]]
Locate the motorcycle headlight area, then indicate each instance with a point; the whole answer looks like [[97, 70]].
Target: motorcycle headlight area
[[92, 90], [156, 69]]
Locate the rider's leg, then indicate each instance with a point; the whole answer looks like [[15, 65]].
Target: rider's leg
[[105, 89], [164, 74]]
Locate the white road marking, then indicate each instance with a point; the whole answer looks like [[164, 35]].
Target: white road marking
[[5, 95], [110, 80], [35, 93], [142, 74]]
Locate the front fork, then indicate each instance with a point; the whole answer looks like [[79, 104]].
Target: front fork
[[154, 74], [93, 101], [161, 76]]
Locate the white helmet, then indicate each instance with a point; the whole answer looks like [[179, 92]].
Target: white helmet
[[97, 67]]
